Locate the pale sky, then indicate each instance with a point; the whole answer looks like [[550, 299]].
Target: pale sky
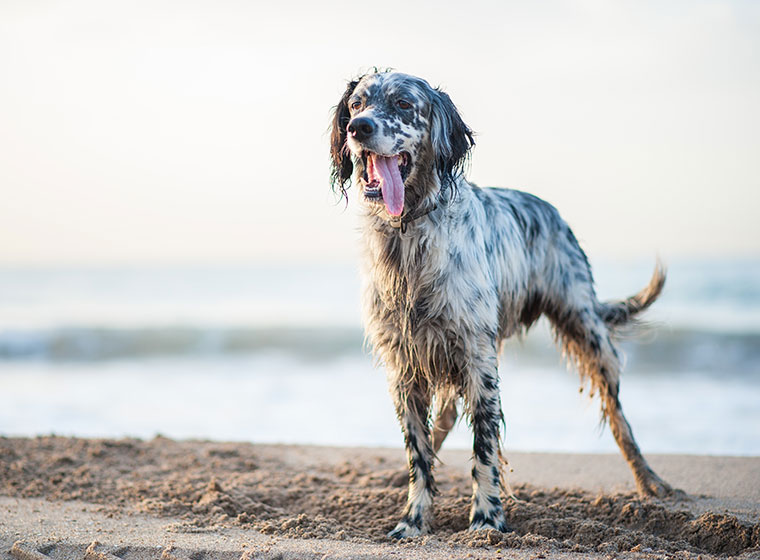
[[197, 131]]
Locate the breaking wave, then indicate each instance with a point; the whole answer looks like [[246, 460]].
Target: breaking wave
[[679, 349]]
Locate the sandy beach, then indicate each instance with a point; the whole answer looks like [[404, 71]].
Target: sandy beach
[[100, 499]]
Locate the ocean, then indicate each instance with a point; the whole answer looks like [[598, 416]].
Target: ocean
[[274, 354]]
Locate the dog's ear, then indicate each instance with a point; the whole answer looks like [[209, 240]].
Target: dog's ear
[[452, 139], [342, 167]]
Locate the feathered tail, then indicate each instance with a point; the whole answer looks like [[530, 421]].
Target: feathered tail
[[619, 313]]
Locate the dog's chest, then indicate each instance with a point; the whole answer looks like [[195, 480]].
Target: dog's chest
[[426, 310], [428, 283]]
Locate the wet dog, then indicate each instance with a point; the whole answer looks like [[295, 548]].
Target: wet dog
[[450, 271]]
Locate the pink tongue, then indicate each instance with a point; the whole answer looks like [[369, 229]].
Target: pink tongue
[[391, 184]]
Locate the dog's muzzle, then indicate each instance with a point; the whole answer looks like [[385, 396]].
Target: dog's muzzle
[[383, 174]]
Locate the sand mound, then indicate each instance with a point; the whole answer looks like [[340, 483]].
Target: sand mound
[[282, 491]]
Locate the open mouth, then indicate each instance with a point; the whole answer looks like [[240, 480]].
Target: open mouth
[[384, 179]]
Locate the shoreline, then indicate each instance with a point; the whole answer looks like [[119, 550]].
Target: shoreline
[[225, 500]]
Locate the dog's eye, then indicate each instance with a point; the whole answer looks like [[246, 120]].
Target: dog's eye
[[403, 104], [356, 105]]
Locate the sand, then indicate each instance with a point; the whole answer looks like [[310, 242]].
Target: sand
[[196, 500]]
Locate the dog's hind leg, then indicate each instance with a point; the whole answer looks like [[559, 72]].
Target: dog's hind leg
[[445, 418], [647, 481], [586, 340], [413, 410], [484, 407]]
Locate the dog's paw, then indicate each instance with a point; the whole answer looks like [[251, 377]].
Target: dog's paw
[[412, 526], [407, 528], [652, 486], [491, 519]]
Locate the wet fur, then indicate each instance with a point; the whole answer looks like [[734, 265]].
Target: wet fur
[[443, 289]]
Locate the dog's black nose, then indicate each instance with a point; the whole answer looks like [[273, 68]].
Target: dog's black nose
[[361, 128]]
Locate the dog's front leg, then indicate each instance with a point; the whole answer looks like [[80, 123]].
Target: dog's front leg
[[413, 409], [484, 403]]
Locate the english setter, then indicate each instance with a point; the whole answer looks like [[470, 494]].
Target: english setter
[[450, 271]]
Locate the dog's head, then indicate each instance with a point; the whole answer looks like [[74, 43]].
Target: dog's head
[[401, 139]]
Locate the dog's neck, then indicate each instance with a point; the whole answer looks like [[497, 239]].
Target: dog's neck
[[398, 257], [423, 199], [402, 222]]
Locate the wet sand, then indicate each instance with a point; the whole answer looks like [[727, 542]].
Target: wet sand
[[168, 499]]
